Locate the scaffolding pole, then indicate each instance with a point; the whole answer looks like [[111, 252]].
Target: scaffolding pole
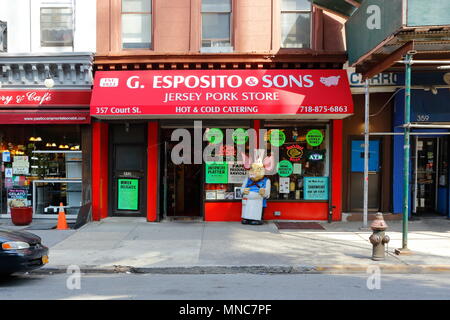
[[366, 154], [406, 148]]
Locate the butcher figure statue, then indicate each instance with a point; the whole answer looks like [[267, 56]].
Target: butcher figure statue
[[255, 189]]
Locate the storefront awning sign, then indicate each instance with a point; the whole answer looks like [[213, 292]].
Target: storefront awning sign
[[44, 98], [208, 93]]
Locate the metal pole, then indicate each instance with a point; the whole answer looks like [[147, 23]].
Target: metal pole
[[406, 156], [366, 154]]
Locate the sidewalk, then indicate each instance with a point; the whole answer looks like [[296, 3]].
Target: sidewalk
[[131, 244]]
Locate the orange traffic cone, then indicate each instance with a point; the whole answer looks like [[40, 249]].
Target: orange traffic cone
[[62, 223]]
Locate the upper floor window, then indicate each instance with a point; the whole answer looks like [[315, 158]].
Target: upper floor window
[[136, 24], [216, 26], [3, 37], [56, 27], [296, 23]]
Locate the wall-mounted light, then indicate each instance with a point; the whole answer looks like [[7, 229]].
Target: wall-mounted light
[[49, 82], [434, 91], [447, 78]]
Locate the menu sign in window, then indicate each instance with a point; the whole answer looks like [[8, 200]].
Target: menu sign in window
[[128, 194], [216, 172], [316, 188]]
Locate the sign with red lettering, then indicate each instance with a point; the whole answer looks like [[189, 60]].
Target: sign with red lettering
[[222, 92], [44, 98]]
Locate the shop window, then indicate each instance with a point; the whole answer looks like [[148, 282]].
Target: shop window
[[300, 175], [41, 167], [216, 26], [56, 27], [302, 171], [223, 179], [136, 24], [296, 23]]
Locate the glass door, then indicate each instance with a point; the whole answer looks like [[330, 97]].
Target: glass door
[[425, 175], [182, 183]]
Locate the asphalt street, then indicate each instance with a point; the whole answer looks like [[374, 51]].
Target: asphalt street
[[226, 287]]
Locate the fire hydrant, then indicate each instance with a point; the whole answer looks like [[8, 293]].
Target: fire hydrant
[[378, 238]]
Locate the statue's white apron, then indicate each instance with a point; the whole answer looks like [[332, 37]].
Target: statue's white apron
[[252, 204]]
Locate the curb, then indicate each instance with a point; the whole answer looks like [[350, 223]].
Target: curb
[[195, 270]]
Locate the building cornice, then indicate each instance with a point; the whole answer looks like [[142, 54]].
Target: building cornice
[[68, 70]]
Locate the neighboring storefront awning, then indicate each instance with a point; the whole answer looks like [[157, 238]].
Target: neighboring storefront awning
[[33, 116], [252, 94], [44, 106], [44, 98]]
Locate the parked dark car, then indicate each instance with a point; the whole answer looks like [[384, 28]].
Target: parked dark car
[[21, 251]]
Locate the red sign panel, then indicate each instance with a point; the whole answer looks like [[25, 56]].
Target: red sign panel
[[44, 98], [44, 117], [221, 92]]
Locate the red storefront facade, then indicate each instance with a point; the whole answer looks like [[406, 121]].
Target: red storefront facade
[[295, 102]]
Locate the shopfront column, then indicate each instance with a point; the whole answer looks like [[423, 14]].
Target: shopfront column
[[152, 171], [100, 160], [336, 170]]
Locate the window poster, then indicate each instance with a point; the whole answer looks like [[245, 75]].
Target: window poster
[[128, 194], [6, 156], [314, 137], [297, 168], [240, 136], [236, 173], [316, 188], [17, 198], [211, 195], [285, 168], [8, 172], [216, 172], [277, 137], [284, 185], [238, 192]]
